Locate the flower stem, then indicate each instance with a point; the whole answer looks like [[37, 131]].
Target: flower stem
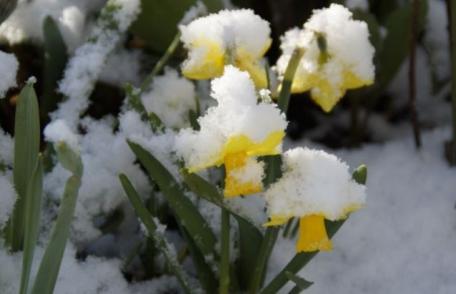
[[412, 75], [285, 91], [450, 147], [225, 253], [162, 62], [273, 172]]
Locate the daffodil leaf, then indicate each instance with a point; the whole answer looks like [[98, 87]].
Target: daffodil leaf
[[203, 188], [183, 208], [69, 159], [158, 237], [302, 258], [32, 222], [250, 239], [209, 192], [205, 274], [26, 148], [301, 284], [395, 46], [55, 59], [50, 264]]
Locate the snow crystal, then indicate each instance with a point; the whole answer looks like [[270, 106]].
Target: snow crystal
[[237, 113], [171, 98], [58, 131], [314, 182], [86, 65], [8, 70], [7, 199]]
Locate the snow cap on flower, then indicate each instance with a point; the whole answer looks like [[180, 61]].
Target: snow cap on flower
[[337, 55], [239, 37], [171, 98], [233, 133], [315, 186]]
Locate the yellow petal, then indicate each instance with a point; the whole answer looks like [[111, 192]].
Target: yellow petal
[[324, 93], [209, 65], [312, 234], [352, 81], [256, 70], [277, 220], [242, 143], [233, 186]]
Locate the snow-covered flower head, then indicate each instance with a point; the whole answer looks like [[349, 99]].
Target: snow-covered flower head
[[315, 186], [233, 133], [237, 37], [171, 98], [337, 55]]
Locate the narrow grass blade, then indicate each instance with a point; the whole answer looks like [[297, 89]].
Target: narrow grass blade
[[32, 222], [301, 259], [50, 264], [160, 241], [26, 148], [55, 59], [184, 209]]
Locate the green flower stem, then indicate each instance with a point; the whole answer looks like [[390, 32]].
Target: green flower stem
[[453, 64], [162, 62], [273, 172], [267, 245], [225, 253], [451, 146], [134, 96], [285, 91]]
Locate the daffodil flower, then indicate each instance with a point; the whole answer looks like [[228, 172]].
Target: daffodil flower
[[234, 133], [337, 55], [237, 37], [315, 186]]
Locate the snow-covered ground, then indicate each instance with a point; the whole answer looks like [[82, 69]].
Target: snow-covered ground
[[404, 240]]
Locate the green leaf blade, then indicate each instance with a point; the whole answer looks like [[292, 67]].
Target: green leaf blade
[[50, 264], [32, 222], [147, 219], [26, 149], [184, 209]]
